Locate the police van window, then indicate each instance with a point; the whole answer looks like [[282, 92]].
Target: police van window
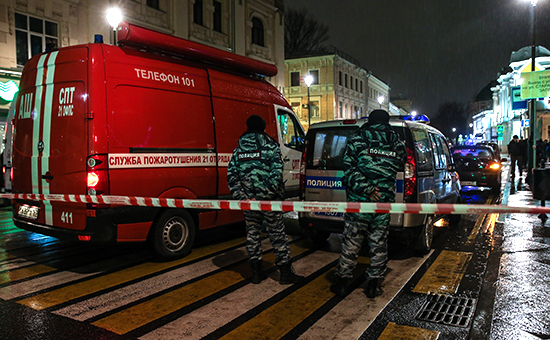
[[423, 150], [291, 133], [329, 146], [441, 158]]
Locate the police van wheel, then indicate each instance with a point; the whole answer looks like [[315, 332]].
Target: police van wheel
[[173, 234], [424, 241], [454, 219]]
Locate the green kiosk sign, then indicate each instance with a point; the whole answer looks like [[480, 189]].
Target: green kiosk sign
[[500, 132]]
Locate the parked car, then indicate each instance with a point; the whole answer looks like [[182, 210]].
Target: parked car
[[493, 145], [427, 177], [478, 166]]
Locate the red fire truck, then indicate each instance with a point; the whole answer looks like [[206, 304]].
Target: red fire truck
[[155, 116]]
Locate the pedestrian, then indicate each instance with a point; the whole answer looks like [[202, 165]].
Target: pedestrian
[[524, 150], [373, 156], [255, 172], [516, 155]]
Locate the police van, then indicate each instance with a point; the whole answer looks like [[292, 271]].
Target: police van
[[428, 176], [155, 116]]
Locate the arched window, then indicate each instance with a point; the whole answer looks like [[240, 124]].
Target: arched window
[[257, 32]]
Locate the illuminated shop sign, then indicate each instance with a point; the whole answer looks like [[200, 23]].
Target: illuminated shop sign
[[8, 90]]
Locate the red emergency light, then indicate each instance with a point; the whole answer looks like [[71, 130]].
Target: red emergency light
[[141, 37]]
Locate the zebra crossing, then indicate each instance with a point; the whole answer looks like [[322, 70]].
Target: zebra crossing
[[205, 295]]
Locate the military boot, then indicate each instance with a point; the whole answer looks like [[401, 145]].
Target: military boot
[[341, 286], [258, 274], [373, 288], [287, 274]]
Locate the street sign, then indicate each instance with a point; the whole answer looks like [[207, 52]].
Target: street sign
[[535, 84], [500, 128], [525, 123], [517, 102]]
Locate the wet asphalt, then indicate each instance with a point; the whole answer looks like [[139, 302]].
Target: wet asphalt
[[508, 279], [512, 296]]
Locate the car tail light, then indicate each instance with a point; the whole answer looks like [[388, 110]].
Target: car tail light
[[493, 166], [97, 178], [303, 174], [410, 174], [350, 121]]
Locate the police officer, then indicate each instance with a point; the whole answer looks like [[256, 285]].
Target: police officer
[[255, 172], [373, 156]]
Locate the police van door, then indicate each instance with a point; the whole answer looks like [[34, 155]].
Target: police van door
[[291, 138], [442, 178]]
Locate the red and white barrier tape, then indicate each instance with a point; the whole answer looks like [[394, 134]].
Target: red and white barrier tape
[[298, 206]]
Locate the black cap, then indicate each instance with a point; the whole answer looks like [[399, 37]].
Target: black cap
[[255, 123], [379, 117]]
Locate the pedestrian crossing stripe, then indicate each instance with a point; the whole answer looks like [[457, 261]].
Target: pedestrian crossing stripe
[[445, 274], [394, 331]]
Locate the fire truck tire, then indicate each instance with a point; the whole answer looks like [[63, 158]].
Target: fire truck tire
[[425, 238], [172, 234]]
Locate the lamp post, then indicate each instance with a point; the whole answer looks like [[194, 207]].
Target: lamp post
[[532, 102], [308, 80], [114, 17], [380, 100]]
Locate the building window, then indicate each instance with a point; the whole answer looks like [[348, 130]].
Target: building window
[[361, 86], [356, 84], [346, 81], [197, 12], [341, 110], [351, 82], [340, 78], [315, 75], [33, 36], [217, 16], [257, 32], [153, 4], [294, 78]]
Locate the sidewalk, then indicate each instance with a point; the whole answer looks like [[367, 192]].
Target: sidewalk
[[522, 303]]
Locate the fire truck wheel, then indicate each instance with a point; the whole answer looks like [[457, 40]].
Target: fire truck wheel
[[173, 234]]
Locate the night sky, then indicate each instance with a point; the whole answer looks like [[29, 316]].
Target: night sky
[[431, 51]]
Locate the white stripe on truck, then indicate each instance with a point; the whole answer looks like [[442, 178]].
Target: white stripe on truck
[[35, 116], [46, 132]]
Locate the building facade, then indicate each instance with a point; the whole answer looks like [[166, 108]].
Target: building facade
[[253, 28], [340, 89], [510, 114]]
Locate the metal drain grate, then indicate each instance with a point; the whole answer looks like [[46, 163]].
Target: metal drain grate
[[448, 310]]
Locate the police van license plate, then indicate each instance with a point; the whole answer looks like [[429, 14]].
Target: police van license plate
[[329, 214], [28, 211], [465, 183]]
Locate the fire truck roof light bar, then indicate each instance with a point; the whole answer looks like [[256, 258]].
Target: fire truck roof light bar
[[134, 35]]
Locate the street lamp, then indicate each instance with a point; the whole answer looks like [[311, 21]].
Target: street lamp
[[114, 17], [308, 80], [380, 100]]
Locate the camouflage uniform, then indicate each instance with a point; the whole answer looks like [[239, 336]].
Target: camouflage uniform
[[373, 156], [256, 172]]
